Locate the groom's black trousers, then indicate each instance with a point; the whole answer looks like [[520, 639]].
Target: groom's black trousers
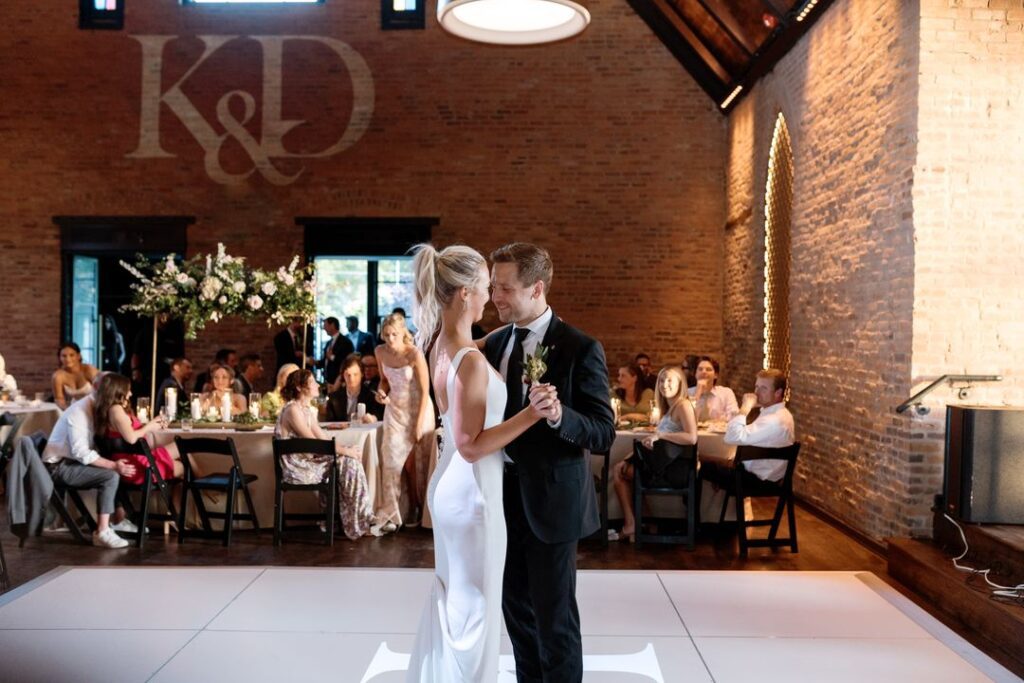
[[539, 599]]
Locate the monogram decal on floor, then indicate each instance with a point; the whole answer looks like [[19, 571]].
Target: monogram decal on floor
[[270, 146]]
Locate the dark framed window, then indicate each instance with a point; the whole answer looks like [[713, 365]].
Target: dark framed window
[[363, 266], [101, 14], [402, 14]]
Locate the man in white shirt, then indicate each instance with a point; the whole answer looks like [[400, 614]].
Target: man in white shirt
[[773, 428], [74, 462]]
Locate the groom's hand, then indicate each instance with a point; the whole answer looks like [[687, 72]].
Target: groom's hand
[[544, 399]]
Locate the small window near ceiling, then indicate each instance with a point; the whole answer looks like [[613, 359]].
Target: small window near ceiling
[[400, 14], [101, 14]]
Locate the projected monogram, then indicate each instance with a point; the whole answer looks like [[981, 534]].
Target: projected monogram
[[270, 146]]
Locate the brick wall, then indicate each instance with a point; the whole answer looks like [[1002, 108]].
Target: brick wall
[[848, 93], [968, 278], [600, 148]]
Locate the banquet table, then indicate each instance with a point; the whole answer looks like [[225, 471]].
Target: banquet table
[[711, 446], [40, 417], [256, 455]]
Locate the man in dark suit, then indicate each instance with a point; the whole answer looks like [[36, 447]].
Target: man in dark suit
[[351, 392], [337, 349], [288, 345], [548, 490], [362, 342]]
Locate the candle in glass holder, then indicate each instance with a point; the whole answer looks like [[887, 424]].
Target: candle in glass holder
[[171, 402], [225, 407], [254, 404], [196, 406], [617, 408], [142, 410], [655, 413]]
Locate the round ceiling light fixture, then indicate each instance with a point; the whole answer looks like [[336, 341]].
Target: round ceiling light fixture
[[512, 22]]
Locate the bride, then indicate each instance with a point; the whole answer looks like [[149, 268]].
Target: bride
[[458, 637]]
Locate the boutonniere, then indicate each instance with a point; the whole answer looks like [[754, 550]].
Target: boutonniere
[[535, 365]]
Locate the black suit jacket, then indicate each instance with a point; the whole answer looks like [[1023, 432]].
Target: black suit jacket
[[554, 471], [332, 366], [337, 404], [364, 344], [285, 348]]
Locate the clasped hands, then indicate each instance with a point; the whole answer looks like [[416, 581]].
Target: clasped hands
[[544, 402]]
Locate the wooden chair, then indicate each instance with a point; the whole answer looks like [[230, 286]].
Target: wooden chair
[[229, 483], [744, 485], [151, 476], [669, 469], [327, 486]]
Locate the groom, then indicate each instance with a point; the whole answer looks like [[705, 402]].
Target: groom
[[549, 492]]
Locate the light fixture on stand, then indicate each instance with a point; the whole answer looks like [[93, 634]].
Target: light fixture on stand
[[513, 22]]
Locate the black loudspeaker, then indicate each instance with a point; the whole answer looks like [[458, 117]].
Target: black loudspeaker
[[984, 479]]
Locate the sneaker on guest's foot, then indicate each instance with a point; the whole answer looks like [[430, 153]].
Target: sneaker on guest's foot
[[125, 526], [108, 538]]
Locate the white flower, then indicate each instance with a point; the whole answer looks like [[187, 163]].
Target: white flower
[[289, 279], [210, 287], [239, 286], [295, 262], [215, 316], [182, 278], [171, 267], [222, 300], [255, 302], [269, 288]]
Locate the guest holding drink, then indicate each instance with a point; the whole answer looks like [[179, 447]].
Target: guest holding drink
[[713, 402], [344, 402], [112, 416], [298, 421], [272, 401], [678, 425], [73, 379], [408, 422], [634, 396], [222, 377]]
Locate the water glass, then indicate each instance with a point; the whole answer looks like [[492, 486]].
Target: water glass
[[40, 396], [360, 411], [186, 424], [142, 409], [254, 404]]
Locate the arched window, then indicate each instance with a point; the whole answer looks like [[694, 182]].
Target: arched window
[[778, 204]]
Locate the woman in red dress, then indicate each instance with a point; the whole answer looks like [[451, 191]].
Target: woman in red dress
[[112, 416]]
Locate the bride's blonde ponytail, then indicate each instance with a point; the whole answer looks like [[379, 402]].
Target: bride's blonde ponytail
[[438, 276]]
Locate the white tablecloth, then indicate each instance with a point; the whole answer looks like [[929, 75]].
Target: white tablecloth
[[256, 454], [710, 446], [38, 418]]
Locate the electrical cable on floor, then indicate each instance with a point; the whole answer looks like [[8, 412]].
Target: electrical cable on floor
[[998, 590]]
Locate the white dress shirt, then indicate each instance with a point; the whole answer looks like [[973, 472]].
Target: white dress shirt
[[71, 437], [537, 329], [773, 428]]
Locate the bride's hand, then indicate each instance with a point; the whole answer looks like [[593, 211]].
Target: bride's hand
[[544, 402]]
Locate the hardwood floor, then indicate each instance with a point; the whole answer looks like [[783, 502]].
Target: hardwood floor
[[822, 547]]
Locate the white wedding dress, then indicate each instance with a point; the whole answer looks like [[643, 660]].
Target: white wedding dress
[[459, 632]]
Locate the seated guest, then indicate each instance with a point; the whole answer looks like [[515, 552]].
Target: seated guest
[[181, 375], [677, 425], [272, 401], [250, 371], [73, 379], [222, 377], [298, 420], [643, 361], [636, 398], [228, 357], [343, 402], [712, 401], [690, 366], [7, 382], [74, 462], [773, 428], [112, 416], [371, 373]]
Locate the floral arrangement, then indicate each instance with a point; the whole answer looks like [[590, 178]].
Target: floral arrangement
[[209, 288]]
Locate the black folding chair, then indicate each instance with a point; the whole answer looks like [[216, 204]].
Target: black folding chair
[[745, 485], [668, 469], [327, 486], [151, 476], [7, 446], [229, 483], [62, 492]]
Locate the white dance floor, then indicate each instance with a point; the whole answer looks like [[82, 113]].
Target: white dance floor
[[356, 625]]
